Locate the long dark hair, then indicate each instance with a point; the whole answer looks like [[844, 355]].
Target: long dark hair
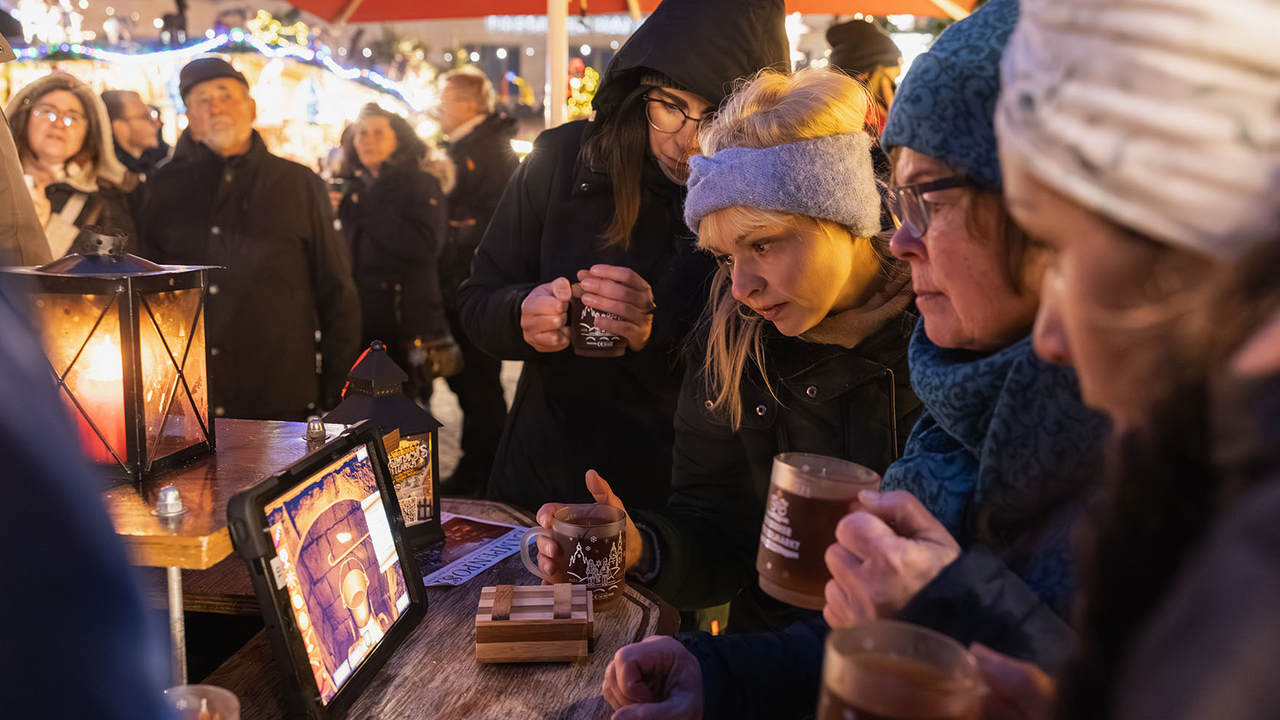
[[619, 149], [1165, 490]]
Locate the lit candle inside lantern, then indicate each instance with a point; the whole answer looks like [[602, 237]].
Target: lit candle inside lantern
[[100, 392]]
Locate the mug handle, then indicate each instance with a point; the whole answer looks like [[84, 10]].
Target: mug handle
[[533, 532]]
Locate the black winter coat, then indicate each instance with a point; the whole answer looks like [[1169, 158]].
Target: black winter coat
[[575, 413], [484, 162], [286, 273], [853, 404], [612, 414], [394, 226]]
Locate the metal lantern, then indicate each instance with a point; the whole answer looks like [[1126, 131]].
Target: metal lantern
[[374, 392], [125, 342]]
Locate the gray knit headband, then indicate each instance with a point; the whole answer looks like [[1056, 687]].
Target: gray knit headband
[[828, 177]]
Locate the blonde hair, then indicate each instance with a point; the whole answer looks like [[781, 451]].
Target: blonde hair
[[769, 109], [474, 83]]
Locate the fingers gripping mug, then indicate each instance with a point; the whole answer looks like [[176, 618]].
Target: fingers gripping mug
[[592, 540]]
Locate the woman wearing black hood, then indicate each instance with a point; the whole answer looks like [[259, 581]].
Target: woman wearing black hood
[[599, 202], [393, 215]]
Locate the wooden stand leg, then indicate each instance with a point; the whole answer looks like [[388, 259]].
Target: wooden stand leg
[[177, 626]]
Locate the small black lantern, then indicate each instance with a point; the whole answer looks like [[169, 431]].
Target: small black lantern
[[375, 392], [125, 342]]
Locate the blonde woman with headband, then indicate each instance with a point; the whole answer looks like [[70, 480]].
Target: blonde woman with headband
[[1141, 142], [803, 346]]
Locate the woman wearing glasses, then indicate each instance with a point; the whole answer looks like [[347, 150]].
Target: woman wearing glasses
[[599, 203], [64, 142]]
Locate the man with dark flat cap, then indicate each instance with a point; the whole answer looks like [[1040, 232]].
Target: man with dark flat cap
[[866, 53], [286, 272]]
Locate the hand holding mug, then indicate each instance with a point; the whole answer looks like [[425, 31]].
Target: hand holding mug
[[1016, 690], [551, 558], [543, 314], [624, 293], [883, 555], [655, 678]]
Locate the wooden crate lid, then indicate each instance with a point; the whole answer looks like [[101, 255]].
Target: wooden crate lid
[[525, 603]]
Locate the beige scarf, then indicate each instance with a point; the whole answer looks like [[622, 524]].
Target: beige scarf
[[851, 327]]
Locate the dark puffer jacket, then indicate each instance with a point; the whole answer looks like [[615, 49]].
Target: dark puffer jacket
[[573, 413], [852, 404]]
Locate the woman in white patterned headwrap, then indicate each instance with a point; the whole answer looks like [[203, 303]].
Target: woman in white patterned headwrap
[[1140, 143]]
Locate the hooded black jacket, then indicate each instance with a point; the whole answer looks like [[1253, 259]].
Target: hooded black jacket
[[615, 415]]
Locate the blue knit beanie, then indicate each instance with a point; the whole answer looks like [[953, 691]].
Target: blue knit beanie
[[946, 105]]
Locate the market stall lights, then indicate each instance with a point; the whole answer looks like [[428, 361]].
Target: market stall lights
[[502, 53], [157, 23], [585, 50], [448, 57], [613, 45], [209, 33], [84, 4], [110, 11], [366, 52], [475, 57], [528, 51], [416, 99]]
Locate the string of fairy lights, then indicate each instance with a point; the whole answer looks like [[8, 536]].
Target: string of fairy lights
[[265, 38]]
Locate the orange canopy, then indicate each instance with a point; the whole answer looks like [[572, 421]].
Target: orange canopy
[[391, 10]]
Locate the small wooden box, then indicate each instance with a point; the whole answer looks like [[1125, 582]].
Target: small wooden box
[[534, 623]]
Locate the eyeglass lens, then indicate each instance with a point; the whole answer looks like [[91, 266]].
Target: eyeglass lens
[[53, 117]]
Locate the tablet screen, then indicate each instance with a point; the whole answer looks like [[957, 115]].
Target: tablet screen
[[339, 563]]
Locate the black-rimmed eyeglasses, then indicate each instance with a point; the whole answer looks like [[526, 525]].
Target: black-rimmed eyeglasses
[[666, 117]]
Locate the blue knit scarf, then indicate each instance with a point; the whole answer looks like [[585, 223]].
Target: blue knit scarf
[[1000, 428]]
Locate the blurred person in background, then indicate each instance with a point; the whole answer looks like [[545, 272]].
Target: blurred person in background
[[866, 53], [285, 271], [393, 215], [135, 128], [478, 140], [63, 136]]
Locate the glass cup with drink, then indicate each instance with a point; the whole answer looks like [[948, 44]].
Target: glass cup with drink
[[587, 339], [593, 542], [808, 494], [203, 702], [886, 670]]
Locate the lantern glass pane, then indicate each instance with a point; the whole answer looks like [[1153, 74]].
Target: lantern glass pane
[[166, 325], [65, 322], [94, 387]]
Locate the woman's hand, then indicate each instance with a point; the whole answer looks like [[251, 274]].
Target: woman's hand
[[620, 291], [551, 557], [657, 678], [883, 555], [544, 314], [1016, 690]]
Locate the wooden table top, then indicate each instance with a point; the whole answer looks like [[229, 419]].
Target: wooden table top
[[248, 451], [434, 674]]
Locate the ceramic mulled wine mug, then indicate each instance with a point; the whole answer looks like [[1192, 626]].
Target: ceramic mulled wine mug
[[808, 495], [593, 543], [587, 339], [887, 670]]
